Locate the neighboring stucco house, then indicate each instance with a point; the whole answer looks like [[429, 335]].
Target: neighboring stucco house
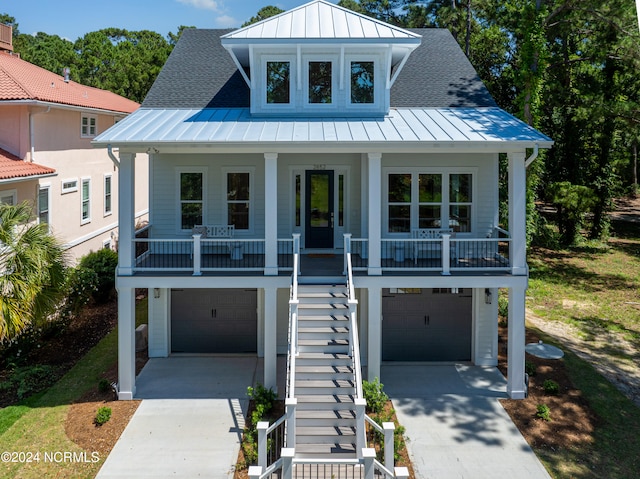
[[47, 123], [366, 148]]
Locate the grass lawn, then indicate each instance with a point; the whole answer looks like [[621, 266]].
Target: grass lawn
[[595, 288], [37, 425]]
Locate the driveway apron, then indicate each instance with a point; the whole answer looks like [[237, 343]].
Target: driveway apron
[[455, 425], [189, 423]]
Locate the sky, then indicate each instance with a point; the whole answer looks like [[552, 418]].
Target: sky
[[72, 19]]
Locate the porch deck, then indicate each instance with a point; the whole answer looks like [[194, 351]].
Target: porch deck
[[311, 265]]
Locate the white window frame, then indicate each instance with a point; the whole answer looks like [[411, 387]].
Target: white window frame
[[444, 213], [178, 201], [293, 83], [378, 82], [91, 130], [252, 197], [45, 186], [68, 189], [335, 84], [108, 176], [12, 193], [86, 220]]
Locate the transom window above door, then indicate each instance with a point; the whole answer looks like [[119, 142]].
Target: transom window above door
[[429, 200]]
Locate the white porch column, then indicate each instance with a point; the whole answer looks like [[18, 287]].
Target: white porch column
[[375, 333], [375, 212], [271, 213], [516, 339], [126, 213], [126, 343], [518, 213], [270, 338]]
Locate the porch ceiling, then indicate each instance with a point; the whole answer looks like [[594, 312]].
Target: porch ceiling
[[415, 129]]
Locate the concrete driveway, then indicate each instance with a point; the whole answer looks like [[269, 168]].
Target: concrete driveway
[[190, 421], [455, 423]]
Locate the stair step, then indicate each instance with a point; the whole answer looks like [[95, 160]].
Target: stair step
[[326, 336], [319, 348], [323, 359], [325, 451], [341, 329], [318, 372], [323, 322], [326, 422], [331, 414], [322, 293], [324, 399], [325, 434]]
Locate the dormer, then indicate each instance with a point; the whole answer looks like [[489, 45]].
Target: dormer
[[320, 60]]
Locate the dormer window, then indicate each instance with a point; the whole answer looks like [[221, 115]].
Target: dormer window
[[362, 82], [278, 82], [320, 82]]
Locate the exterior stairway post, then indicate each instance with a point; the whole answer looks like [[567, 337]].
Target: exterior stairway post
[[361, 441], [290, 404], [262, 443], [389, 446]]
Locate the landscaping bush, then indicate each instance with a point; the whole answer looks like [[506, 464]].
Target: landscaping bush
[[103, 262], [29, 380], [104, 386], [263, 400], [551, 387], [543, 412], [374, 395], [102, 415], [530, 368]]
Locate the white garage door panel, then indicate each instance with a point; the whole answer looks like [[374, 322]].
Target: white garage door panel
[[427, 326], [213, 321]]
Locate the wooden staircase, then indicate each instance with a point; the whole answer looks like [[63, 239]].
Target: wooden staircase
[[324, 377]]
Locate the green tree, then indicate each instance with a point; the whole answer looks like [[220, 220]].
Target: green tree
[[124, 62], [47, 51], [7, 19], [263, 13], [32, 271]]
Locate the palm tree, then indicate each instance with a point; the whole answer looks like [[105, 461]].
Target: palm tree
[[32, 271]]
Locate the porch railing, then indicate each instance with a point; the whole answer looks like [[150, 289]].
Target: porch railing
[[446, 254], [197, 254]]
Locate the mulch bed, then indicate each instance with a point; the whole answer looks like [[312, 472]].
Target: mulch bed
[[572, 422]]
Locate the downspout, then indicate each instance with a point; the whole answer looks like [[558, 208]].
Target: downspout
[[533, 156], [116, 162], [32, 134]]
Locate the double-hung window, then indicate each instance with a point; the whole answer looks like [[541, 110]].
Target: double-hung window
[[239, 199], [8, 197], [108, 208], [43, 204], [419, 199], [86, 201], [192, 194]]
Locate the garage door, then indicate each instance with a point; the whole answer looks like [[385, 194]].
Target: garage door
[[214, 321], [426, 324]]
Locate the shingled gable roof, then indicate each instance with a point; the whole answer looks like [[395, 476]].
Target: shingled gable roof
[[24, 81], [200, 73], [13, 168]]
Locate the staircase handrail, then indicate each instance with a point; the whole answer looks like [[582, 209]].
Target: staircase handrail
[[293, 319], [353, 328]]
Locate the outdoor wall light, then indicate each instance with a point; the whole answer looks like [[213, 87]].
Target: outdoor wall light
[[488, 296], [156, 293]]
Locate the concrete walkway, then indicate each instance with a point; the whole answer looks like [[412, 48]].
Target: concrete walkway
[[455, 424], [190, 421]]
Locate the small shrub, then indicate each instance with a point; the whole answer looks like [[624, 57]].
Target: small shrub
[[29, 380], [103, 262], [104, 386], [543, 412], [263, 400], [530, 368], [551, 387], [82, 283], [503, 308], [376, 398], [102, 416]]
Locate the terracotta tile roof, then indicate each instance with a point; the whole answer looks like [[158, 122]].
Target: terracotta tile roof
[[21, 80], [13, 167]]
